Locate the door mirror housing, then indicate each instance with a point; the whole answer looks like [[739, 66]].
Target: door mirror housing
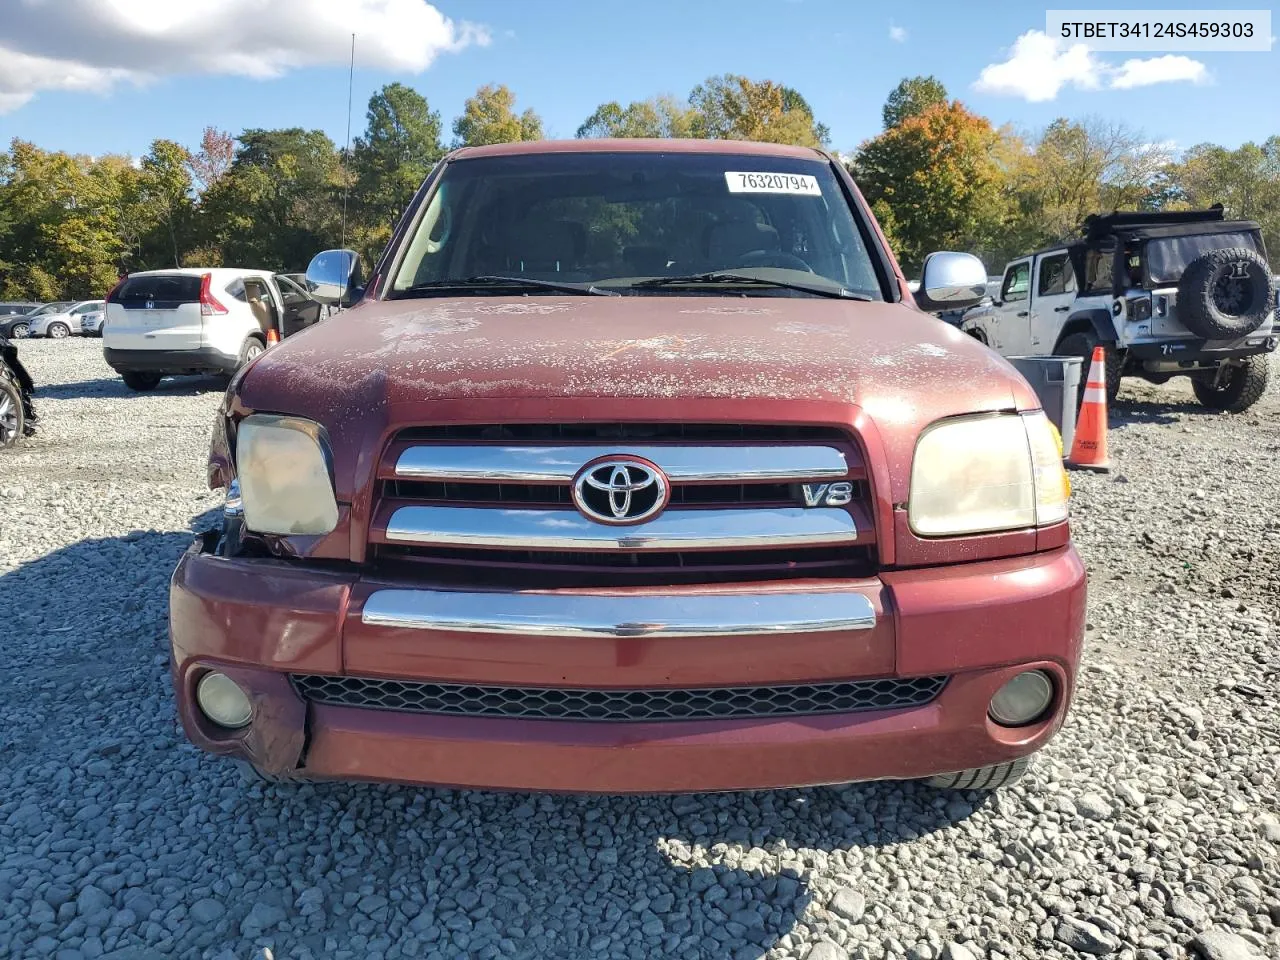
[[951, 281], [334, 277]]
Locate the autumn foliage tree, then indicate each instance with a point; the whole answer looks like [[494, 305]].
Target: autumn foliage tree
[[732, 107], [934, 182]]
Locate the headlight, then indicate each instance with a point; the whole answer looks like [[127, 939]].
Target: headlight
[[283, 467], [986, 473]]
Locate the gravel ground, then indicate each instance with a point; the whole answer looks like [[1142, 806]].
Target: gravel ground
[[1148, 826]]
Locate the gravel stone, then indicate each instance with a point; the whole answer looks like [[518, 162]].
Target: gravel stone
[[1084, 937], [849, 904], [1148, 826], [1223, 945]]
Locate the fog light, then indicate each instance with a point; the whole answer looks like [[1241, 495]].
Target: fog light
[[1022, 700], [223, 701]]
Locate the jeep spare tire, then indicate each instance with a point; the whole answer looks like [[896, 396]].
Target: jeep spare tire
[[1225, 294]]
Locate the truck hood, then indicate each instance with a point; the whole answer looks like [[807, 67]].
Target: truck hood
[[875, 355], [385, 364]]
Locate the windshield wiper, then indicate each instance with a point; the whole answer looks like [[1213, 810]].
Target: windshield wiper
[[728, 278], [528, 283]]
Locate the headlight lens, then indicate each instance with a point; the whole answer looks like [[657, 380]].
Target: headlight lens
[[283, 469], [986, 473]]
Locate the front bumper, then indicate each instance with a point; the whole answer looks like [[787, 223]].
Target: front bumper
[[202, 360], [261, 621]]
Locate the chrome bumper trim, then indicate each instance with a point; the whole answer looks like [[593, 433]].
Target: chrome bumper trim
[[724, 529], [595, 615], [682, 464]]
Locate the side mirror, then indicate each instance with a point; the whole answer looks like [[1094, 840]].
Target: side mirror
[[334, 277], [951, 281]]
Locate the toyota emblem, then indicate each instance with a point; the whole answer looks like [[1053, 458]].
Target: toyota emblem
[[620, 490]]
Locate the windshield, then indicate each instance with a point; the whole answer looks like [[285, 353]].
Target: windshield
[[614, 220], [49, 308], [1168, 257]]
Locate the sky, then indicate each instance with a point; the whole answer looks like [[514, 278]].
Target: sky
[[109, 76]]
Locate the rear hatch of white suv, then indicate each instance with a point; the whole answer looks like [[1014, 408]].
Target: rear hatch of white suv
[[157, 311]]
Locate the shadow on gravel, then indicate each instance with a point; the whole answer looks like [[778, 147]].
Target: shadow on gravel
[[1127, 413], [114, 387]]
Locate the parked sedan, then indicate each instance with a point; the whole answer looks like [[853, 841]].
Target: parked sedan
[[59, 325], [18, 326]]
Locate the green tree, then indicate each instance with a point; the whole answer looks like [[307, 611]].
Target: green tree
[[1246, 181], [912, 97], [656, 117], [400, 145], [165, 189], [278, 203], [934, 181], [489, 116], [732, 107]]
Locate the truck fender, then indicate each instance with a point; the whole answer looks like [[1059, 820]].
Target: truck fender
[[1097, 319]]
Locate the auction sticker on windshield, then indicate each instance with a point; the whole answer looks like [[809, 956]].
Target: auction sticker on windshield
[[800, 183]]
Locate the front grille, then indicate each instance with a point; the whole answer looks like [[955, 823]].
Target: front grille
[[558, 494], [618, 706]]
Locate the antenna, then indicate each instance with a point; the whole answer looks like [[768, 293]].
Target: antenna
[[346, 150]]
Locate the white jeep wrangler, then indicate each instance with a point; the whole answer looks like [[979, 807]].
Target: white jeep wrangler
[[1166, 294]]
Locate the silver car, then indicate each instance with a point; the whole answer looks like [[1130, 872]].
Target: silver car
[[91, 323], [65, 323]]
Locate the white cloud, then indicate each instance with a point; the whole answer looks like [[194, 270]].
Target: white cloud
[[94, 45], [897, 34], [1167, 69], [1040, 66]]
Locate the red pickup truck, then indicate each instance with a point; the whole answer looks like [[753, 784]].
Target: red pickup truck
[[634, 466]]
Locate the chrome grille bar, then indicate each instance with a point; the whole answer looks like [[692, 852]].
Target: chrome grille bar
[[682, 464], [597, 615], [552, 529]]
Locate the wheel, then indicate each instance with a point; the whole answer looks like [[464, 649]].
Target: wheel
[[141, 380], [982, 778], [59, 330], [1233, 388], [1081, 345], [250, 350], [20, 331], [12, 417]]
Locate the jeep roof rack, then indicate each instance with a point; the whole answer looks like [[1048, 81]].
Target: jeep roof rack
[[1099, 224]]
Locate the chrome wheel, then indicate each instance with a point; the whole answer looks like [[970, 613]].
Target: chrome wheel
[[59, 331], [20, 331]]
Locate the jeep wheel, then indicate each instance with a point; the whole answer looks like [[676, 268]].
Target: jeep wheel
[[12, 417], [1081, 345], [1225, 294], [140, 380], [982, 778], [1233, 388]]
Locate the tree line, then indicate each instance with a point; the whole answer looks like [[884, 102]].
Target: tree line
[[938, 177]]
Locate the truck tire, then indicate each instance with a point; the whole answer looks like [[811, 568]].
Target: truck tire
[[1081, 345], [12, 415], [982, 778], [141, 380], [1240, 388], [1225, 294]]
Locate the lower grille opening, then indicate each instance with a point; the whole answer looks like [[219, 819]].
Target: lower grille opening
[[618, 706]]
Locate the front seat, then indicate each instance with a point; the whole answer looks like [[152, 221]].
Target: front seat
[[728, 241], [541, 247]]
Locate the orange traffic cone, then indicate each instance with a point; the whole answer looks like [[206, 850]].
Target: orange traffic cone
[[1089, 448], [273, 336]]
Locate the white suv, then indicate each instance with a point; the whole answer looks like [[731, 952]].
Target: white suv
[[62, 323], [168, 322]]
